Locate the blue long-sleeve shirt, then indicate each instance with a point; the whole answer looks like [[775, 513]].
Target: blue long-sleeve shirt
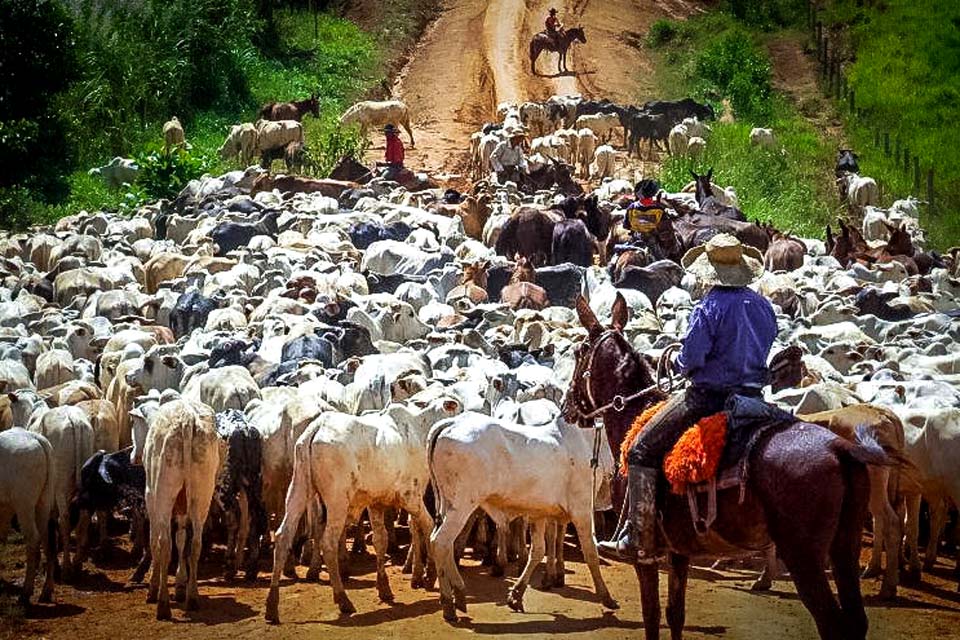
[[728, 339]]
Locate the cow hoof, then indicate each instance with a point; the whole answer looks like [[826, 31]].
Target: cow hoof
[[449, 612], [290, 572], [870, 572], [416, 582], [163, 611], [250, 576], [272, 614], [761, 585], [560, 580], [547, 583], [910, 577], [496, 571], [430, 579], [151, 597], [928, 566], [193, 603], [180, 593], [313, 575], [46, 596], [888, 592], [609, 602], [460, 600], [515, 600]]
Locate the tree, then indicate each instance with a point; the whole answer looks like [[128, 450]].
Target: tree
[[37, 63]]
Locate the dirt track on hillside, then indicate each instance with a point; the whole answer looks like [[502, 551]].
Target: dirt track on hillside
[[475, 56]]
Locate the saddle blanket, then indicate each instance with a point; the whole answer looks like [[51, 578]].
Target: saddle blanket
[[716, 442]]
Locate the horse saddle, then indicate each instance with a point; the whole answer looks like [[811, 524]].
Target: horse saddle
[[714, 453]]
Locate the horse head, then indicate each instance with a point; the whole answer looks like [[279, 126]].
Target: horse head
[[578, 34], [703, 185]]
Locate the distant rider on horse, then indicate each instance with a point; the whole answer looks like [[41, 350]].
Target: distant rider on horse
[[724, 353], [554, 27]]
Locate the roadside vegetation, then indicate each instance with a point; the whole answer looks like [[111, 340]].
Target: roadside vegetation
[[115, 71], [909, 90], [719, 57]]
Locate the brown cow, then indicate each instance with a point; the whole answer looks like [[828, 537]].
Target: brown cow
[[528, 233], [473, 285], [522, 292], [297, 184], [785, 252]]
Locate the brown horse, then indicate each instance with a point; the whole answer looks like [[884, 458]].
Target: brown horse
[[807, 492], [709, 203], [543, 42], [473, 284], [291, 110]]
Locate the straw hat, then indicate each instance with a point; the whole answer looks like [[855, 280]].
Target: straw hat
[[390, 128], [724, 261]]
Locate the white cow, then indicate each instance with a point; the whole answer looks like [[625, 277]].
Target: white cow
[[602, 124], [764, 138], [370, 113], [70, 434], [678, 139], [510, 470], [862, 191], [373, 462], [223, 388], [27, 491], [586, 146], [181, 456], [603, 162]]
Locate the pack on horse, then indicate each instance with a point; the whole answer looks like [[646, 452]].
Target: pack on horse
[[780, 481], [559, 44]]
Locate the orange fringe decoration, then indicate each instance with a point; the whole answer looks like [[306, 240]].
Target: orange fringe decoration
[[638, 425], [696, 455]]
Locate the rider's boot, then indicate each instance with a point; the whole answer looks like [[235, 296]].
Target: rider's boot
[[637, 545]]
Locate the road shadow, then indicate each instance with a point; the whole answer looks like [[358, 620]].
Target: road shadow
[[567, 74], [549, 627], [215, 611], [53, 611]]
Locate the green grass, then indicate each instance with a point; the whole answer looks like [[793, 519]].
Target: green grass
[[715, 57], [339, 66], [906, 75]]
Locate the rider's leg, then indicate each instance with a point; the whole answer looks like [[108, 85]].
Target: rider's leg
[[638, 543]]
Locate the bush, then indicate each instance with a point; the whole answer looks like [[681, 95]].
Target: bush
[[164, 175], [767, 14], [736, 68], [662, 32]]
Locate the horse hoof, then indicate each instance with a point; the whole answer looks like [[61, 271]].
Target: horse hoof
[[610, 603], [460, 600], [449, 612], [416, 582], [313, 575], [179, 594], [888, 593]]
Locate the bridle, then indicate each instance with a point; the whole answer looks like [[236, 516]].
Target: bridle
[[583, 414]]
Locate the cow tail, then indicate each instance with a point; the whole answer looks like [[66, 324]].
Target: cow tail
[[435, 432], [48, 496]]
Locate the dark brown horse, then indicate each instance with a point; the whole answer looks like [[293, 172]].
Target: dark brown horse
[[291, 110], [807, 492], [709, 204], [543, 42]]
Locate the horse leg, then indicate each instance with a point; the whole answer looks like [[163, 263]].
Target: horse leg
[[765, 581], [676, 594], [649, 577], [534, 54], [810, 579], [845, 554]]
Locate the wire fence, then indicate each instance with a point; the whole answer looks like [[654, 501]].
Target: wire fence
[[834, 83]]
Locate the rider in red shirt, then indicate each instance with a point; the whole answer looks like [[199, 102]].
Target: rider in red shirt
[[395, 152]]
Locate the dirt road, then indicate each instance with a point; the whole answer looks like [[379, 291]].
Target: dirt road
[[475, 56]]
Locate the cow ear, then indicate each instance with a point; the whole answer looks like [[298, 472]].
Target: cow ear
[[587, 318], [619, 312]]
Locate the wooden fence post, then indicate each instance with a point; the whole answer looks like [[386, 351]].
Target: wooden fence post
[[930, 188], [916, 174]]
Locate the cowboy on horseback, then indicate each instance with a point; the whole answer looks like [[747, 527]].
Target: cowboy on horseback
[[554, 28], [724, 353]]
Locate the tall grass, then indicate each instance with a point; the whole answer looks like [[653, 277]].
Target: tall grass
[[905, 70]]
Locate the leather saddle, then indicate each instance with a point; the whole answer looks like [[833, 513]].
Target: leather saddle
[[747, 420]]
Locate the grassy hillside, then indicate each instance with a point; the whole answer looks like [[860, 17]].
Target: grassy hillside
[[902, 58], [717, 57]]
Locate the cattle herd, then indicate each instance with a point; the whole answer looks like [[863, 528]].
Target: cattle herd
[[261, 367]]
